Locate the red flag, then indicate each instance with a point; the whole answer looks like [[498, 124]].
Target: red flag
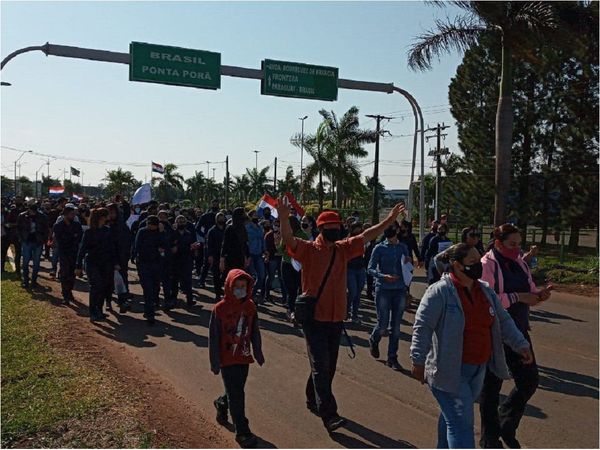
[[294, 203]]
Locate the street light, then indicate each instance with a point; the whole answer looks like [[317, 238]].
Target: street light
[[4, 83], [36, 178], [302, 157], [19, 159], [256, 163]]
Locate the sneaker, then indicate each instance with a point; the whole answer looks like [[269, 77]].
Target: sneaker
[[24, 285], [334, 423], [35, 285], [487, 443], [191, 302], [394, 364], [124, 307], [150, 319], [511, 442], [288, 315], [222, 416], [312, 408], [52, 274], [374, 349], [246, 440], [66, 300]]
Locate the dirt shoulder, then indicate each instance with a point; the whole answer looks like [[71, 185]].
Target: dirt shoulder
[[137, 407]]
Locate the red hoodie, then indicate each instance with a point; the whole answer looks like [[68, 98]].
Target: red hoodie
[[234, 327]]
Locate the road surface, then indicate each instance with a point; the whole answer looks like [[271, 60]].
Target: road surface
[[384, 408]]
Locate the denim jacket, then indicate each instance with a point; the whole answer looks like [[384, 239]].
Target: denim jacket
[[386, 259], [437, 341], [256, 239]]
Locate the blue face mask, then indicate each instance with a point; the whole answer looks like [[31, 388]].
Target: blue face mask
[[239, 293]]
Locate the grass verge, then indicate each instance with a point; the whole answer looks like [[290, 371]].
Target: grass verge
[[52, 397], [575, 268]]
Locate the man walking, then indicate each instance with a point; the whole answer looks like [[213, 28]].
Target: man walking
[[323, 333], [32, 226], [67, 233]]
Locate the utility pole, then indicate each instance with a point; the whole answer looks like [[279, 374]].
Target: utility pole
[[227, 182], [214, 173], [207, 169], [439, 151], [275, 178], [375, 180], [256, 152], [302, 119]]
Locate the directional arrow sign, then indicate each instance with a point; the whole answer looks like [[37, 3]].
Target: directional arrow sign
[[289, 79]]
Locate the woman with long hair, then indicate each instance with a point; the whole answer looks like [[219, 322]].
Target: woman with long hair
[[100, 261]]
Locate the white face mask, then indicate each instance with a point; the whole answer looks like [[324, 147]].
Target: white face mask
[[239, 293]]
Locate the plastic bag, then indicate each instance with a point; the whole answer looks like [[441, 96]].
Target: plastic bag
[[120, 287]]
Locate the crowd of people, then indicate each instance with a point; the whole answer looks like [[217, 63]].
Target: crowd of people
[[471, 326]]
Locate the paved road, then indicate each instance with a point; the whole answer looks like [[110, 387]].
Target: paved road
[[384, 408]]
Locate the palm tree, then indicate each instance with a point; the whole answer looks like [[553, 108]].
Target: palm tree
[[290, 183], [172, 178], [259, 182], [344, 144], [196, 186], [240, 188], [515, 23], [120, 181], [315, 146]]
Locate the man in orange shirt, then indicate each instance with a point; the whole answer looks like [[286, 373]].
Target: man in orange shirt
[[323, 334]]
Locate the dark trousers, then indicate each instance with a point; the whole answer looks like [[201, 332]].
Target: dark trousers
[[322, 344], [165, 279], [100, 278], [234, 379], [205, 267], [292, 280], [181, 276], [66, 274], [503, 418], [150, 276], [369, 286], [217, 280]]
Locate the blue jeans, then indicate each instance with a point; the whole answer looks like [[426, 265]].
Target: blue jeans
[[456, 422], [31, 251], [356, 283], [257, 270], [389, 302], [272, 268]]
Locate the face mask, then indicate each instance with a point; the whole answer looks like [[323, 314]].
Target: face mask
[[510, 253], [389, 233], [331, 235], [221, 223], [255, 220], [474, 271], [239, 293], [215, 209], [305, 226], [181, 226], [137, 210]]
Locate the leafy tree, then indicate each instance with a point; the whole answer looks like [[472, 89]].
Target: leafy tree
[[48, 182], [290, 183], [516, 23], [259, 182], [240, 188], [25, 186], [8, 185], [120, 181]]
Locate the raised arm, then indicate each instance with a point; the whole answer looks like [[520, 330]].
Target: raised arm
[[287, 236], [376, 230]]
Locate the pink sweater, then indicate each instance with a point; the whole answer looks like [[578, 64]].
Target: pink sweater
[[492, 274]]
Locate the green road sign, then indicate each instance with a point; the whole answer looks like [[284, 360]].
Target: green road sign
[[174, 65], [288, 79]]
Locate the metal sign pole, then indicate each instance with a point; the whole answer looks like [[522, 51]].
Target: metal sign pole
[[66, 51]]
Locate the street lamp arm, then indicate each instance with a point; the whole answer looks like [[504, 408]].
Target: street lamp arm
[[41, 48]]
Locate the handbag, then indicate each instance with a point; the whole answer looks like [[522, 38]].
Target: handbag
[[305, 304]]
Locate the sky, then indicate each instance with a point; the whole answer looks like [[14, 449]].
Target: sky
[[87, 110]]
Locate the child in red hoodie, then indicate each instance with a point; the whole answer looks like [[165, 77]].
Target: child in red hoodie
[[233, 329]]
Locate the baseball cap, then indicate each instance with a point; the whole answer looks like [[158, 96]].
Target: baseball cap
[[328, 217]]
